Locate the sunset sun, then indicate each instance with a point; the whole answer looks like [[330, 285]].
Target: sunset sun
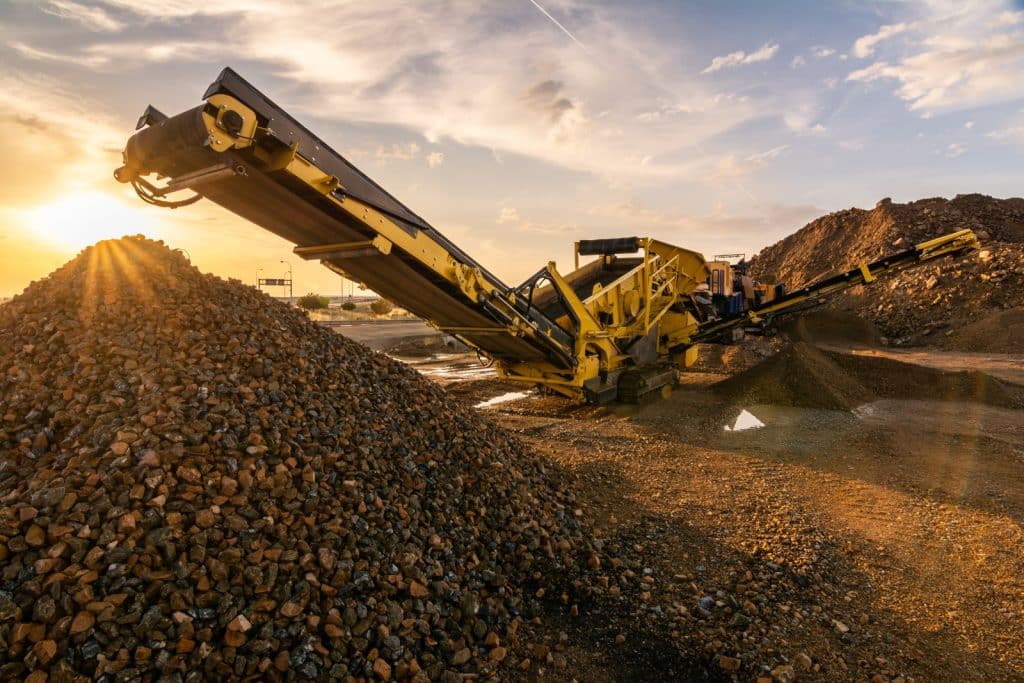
[[78, 220]]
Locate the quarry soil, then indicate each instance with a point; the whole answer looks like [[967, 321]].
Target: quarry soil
[[905, 509]]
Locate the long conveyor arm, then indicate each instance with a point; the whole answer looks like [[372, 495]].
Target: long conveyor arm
[[244, 152], [764, 316]]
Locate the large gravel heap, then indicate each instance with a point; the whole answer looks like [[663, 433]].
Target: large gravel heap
[[926, 305], [198, 482]]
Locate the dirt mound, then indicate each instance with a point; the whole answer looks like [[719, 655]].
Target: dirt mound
[[825, 326], [1001, 332], [923, 305], [800, 375], [805, 376], [197, 480]]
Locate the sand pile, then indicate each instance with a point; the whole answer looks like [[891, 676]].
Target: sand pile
[[925, 305], [198, 482], [806, 376]]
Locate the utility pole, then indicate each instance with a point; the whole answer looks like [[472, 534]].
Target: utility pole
[[291, 293], [258, 279]]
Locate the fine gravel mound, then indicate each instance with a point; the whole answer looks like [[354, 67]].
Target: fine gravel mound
[[799, 375], [200, 483], [805, 376], [920, 306], [1001, 332], [831, 327]]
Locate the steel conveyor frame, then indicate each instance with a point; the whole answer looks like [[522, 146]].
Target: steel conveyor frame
[[265, 166]]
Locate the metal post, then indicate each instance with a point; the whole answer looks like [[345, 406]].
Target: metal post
[[258, 279], [291, 293]]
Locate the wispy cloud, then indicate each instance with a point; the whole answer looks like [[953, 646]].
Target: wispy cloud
[[865, 45], [738, 58], [41, 119], [92, 18], [954, 57], [435, 159], [38, 55], [732, 166], [508, 214], [398, 152], [1010, 133], [954, 150]]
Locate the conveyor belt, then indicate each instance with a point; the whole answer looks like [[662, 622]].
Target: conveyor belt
[[277, 201]]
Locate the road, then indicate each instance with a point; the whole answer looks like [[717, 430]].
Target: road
[[383, 334]]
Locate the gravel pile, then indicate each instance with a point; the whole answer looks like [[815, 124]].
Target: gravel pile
[[925, 305], [199, 483], [810, 377]]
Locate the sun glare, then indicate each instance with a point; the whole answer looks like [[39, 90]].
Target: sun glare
[[79, 220]]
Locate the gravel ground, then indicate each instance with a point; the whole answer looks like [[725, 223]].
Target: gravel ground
[[882, 544]]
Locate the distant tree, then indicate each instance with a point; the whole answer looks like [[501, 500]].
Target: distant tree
[[348, 306], [314, 302], [381, 307]]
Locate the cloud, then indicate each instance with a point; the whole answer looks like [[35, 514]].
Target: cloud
[[954, 150], [34, 54], [435, 159], [954, 75], [1011, 133], [563, 115], [41, 120], [549, 228], [102, 55], [797, 61], [734, 59], [865, 45], [492, 74], [968, 124], [953, 57], [508, 215], [731, 166], [92, 18], [820, 51], [1009, 18], [722, 229], [400, 152]]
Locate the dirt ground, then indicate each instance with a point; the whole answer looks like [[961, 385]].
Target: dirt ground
[[880, 544]]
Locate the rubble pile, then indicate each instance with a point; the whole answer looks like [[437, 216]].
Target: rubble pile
[[925, 305], [199, 483]]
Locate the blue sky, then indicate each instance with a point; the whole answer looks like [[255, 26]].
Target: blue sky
[[517, 127]]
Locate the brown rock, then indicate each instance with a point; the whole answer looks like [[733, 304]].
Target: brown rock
[[239, 623], [82, 622], [45, 650], [729, 663], [35, 536], [381, 669], [291, 609], [205, 518]]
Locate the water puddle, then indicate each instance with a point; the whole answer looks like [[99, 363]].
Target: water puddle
[[745, 420], [453, 372], [503, 398]]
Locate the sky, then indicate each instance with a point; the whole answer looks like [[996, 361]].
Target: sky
[[516, 127]]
